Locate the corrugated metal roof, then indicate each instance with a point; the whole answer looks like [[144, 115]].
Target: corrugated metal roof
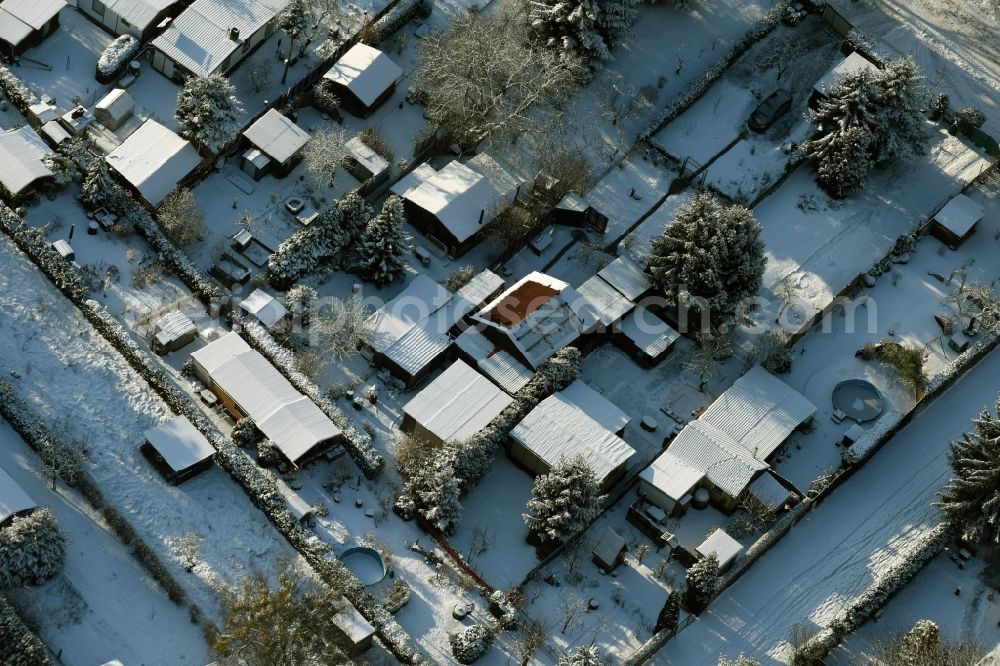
[[712, 452], [419, 346], [254, 385], [607, 302], [481, 288], [649, 333], [506, 371], [296, 427], [725, 547], [264, 307], [179, 443], [366, 72], [12, 29], [198, 39], [175, 325], [671, 475], [140, 13], [35, 13], [596, 406], [13, 499], [627, 277], [412, 179], [412, 329], [759, 411], [21, 154], [457, 404], [213, 356], [474, 344], [558, 429], [154, 160], [277, 136]]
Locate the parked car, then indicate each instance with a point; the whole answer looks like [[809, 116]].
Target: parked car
[[773, 107]]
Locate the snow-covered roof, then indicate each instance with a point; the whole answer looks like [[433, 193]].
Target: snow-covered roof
[[540, 315], [353, 624], [55, 131], [460, 195], [849, 65], [413, 179], [277, 136], [256, 387], [770, 493], [627, 277], [35, 13], [607, 303], [267, 309], [457, 404], [506, 371], [13, 499], [596, 406], [173, 326], [213, 356], [609, 546], [412, 329], [481, 288], [198, 39], [12, 29], [297, 426], [118, 104], [559, 428], [959, 215], [573, 202], [154, 160], [179, 443], [648, 332], [759, 412], [671, 476], [362, 153], [725, 547], [140, 13], [713, 453], [366, 72], [21, 155], [472, 342]]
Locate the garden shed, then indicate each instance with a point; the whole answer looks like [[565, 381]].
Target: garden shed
[[13, 500], [370, 168], [279, 139], [607, 304], [114, 109], [138, 18], [22, 165], [264, 307], [25, 23], [957, 220], [645, 337], [178, 449], [153, 160], [725, 547], [609, 551], [850, 65], [456, 405], [173, 331], [627, 277], [363, 78], [355, 629]]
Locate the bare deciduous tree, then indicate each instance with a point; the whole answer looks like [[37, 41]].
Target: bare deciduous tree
[[571, 608], [324, 153], [181, 218], [481, 79]]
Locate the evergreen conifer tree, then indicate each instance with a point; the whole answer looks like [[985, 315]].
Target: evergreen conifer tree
[[564, 501]]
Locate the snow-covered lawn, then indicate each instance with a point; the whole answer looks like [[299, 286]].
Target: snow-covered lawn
[[76, 381], [820, 245], [110, 596], [863, 528]]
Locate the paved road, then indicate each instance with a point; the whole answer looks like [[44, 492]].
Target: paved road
[[832, 555]]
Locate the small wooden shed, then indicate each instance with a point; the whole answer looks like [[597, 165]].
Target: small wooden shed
[[177, 449], [355, 628], [957, 220], [173, 331], [609, 551]]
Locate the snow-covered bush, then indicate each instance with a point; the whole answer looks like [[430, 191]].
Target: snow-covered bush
[[245, 433], [396, 595], [703, 583], [394, 19], [564, 501], [967, 119], [18, 92], [862, 43], [432, 492], [504, 609], [32, 549], [115, 57], [460, 277], [581, 29], [208, 112], [382, 247], [872, 439], [693, 91], [471, 644], [585, 655], [19, 646]]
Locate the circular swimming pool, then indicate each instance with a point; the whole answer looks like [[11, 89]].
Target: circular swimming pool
[[859, 399], [366, 564]]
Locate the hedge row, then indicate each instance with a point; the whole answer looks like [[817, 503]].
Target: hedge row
[[19, 646], [693, 91], [358, 444], [259, 485], [394, 19], [16, 90], [69, 464]]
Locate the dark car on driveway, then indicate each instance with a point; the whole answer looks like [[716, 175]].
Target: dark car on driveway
[[773, 106]]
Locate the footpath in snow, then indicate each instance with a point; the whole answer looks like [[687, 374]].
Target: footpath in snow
[[862, 529]]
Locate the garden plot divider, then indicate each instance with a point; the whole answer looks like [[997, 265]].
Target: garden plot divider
[[259, 485], [20, 645]]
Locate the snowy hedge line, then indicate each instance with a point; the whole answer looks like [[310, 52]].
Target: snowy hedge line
[[19, 647], [358, 444], [877, 594], [258, 484], [115, 57], [396, 18], [695, 89], [69, 465], [16, 90]]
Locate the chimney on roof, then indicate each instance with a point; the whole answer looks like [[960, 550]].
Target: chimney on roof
[[234, 34]]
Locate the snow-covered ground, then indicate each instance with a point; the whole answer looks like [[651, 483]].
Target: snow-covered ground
[[109, 596], [87, 393], [863, 528]]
